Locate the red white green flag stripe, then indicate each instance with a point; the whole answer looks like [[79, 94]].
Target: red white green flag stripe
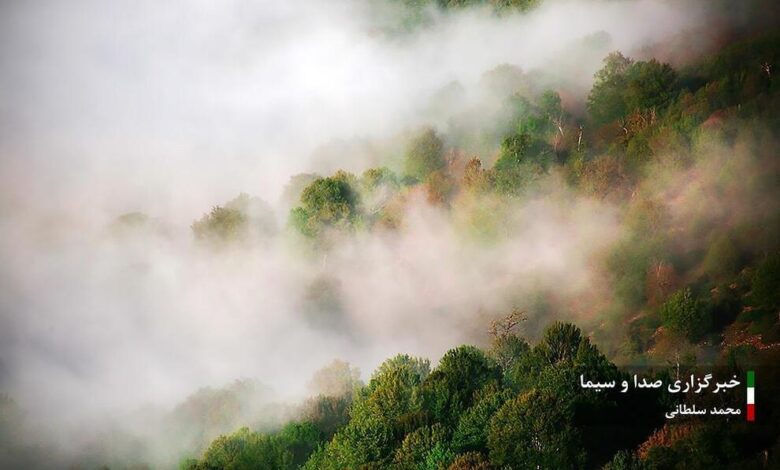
[[751, 395]]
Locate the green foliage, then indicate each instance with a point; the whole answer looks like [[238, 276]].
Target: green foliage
[[534, 429], [623, 86], [560, 343], [374, 178], [472, 428], [424, 155], [221, 224], [723, 258], [449, 389], [625, 460], [471, 461], [605, 101], [506, 349], [327, 413], [498, 5], [649, 85], [330, 202], [513, 150], [393, 391], [765, 292], [424, 448], [684, 314], [518, 406], [365, 439], [237, 220], [245, 449], [209, 412]]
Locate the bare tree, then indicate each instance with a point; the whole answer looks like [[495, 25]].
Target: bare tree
[[504, 326], [559, 125]]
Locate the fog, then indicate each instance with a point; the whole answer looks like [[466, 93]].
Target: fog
[[172, 108]]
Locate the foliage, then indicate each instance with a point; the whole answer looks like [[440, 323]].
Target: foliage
[[330, 202], [623, 86], [533, 429], [424, 155], [239, 219], [221, 224], [683, 313], [449, 389], [765, 291]]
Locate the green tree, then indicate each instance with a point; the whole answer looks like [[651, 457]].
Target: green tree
[[534, 430], [424, 448], [327, 202], [683, 313], [221, 225], [471, 431], [424, 155], [239, 219], [649, 85], [606, 101], [449, 389], [766, 284], [623, 86]]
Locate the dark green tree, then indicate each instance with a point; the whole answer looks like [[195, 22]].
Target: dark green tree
[[534, 430], [449, 389]]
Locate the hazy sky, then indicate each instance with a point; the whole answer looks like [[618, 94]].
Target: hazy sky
[[170, 107]]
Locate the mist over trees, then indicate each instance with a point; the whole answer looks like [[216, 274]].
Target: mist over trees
[[512, 404], [429, 294]]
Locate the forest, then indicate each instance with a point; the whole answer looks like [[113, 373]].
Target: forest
[[528, 228], [706, 288]]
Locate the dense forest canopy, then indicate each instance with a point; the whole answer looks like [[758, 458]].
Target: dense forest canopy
[[387, 234]]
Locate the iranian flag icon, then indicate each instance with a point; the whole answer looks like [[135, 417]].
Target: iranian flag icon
[[751, 395]]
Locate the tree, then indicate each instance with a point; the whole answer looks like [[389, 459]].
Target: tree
[[327, 413], [366, 439], [507, 349], [326, 202], [766, 284], [336, 379], [221, 225], [605, 101], [237, 220], [684, 314], [471, 461], [393, 391], [623, 86], [649, 85], [513, 150], [625, 460], [421, 449], [474, 177], [450, 388], [535, 430], [424, 155], [248, 450], [471, 431], [560, 343]]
